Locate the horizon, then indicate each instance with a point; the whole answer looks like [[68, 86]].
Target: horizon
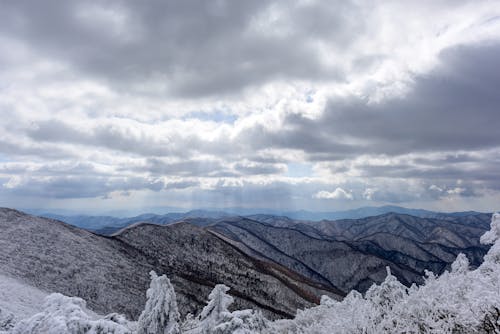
[[286, 106], [237, 211]]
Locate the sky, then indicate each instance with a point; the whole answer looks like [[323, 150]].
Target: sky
[[296, 104]]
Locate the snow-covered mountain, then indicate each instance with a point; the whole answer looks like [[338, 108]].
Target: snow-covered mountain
[[111, 273], [108, 225], [353, 254], [460, 301]]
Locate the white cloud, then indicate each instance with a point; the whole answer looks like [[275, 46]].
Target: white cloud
[[436, 188], [369, 192], [338, 193], [456, 191]]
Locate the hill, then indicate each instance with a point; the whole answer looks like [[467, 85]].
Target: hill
[[111, 273]]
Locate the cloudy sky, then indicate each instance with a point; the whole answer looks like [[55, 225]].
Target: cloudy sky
[[319, 105]]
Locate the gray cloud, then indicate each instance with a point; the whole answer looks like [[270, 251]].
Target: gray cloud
[[182, 184], [110, 136], [258, 169], [202, 168], [62, 187], [454, 107], [18, 148], [193, 47]]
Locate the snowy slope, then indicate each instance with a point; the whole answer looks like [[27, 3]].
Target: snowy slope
[[19, 298], [111, 273], [353, 254], [460, 301]]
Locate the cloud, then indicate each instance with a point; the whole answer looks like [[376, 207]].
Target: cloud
[[64, 187], [435, 188], [195, 167], [338, 193], [369, 192], [253, 168], [111, 135], [446, 109], [205, 48], [250, 103], [182, 184]]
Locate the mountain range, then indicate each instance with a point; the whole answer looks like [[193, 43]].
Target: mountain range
[[112, 272], [353, 254], [273, 263], [109, 224]]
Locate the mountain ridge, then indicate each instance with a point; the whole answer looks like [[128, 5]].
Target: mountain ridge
[[288, 263], [111, 272], [406, 243], [109, 224]]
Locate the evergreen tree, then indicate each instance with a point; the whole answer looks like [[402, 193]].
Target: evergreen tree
[[160, 316], [218, 304]]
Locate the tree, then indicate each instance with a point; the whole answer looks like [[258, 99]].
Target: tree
[[218, 304], [241, 322], [6, 320], [213, 312], [215, 318], [160, 315], [69, 315]]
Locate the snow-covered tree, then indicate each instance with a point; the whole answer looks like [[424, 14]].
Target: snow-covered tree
[[218, 304], [6, 321], [215, 318], [160, 315], [67, 315], [213, 313], [189, 325], [241, 322]]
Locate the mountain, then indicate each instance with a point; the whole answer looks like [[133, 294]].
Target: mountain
[[353, 254], [333, 215], [112, 273], [107, 225], [368, 211], [273, 263]]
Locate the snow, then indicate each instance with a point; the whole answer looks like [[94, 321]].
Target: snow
[[218, 304], [19, 299], [458, 301], [64, 314], [215, 318], [160, 314], [494, 233]]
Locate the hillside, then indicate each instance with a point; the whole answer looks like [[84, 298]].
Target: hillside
[[111, 273], [353, 254], [460, 301], [198, 255]]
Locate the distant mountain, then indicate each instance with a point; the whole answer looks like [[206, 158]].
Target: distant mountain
[[353, 254], [112, 273], [368, 211], [107, 225]]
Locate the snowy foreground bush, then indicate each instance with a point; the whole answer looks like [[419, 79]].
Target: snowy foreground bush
[[459, 301]]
